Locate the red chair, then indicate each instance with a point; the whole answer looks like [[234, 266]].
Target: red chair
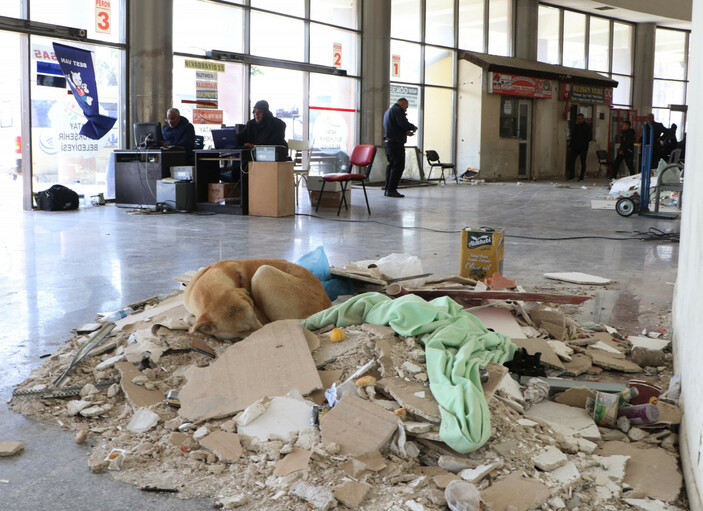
[[362, 156]]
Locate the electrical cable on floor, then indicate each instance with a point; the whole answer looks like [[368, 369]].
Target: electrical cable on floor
[[653, 234]]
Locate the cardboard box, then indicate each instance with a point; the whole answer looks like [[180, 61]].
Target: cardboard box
[[329, 199], [271, 188], [315, 183], [482, 251], [219, 191]]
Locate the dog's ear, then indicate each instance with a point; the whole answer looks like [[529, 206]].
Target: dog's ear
[[203, 324]]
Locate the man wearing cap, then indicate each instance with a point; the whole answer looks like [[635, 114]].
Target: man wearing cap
[[264, 128], [178, 132]]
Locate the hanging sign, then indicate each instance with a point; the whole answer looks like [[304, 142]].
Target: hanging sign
[[515, 85], [337, 54], [586, 93], [395, 66], [103, 17]]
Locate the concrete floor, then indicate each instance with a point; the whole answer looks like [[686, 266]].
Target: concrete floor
[[60, 269]]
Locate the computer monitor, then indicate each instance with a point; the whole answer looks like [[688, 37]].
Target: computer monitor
[[225, 138], [148, 134]]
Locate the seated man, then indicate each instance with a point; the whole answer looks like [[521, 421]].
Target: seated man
[[178, 131], [264, 129]]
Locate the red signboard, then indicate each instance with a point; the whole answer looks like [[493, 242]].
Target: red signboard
[[204, 116], [586, 93], [514, 85]]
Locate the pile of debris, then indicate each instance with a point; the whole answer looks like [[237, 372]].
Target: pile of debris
[[348, 418]]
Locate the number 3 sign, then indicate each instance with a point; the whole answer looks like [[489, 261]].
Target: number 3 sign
[[103, 17]]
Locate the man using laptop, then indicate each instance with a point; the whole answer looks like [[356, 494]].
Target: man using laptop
[[179, 132], [264, 129]]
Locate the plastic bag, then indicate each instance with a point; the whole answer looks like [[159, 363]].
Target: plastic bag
[[402, 265], [316, 262]]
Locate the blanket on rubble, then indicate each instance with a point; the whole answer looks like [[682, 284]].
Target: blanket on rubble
[[456, 345]]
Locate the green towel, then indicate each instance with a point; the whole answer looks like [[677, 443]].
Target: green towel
[[456, 345]]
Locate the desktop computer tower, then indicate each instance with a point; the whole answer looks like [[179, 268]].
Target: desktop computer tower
[[178, 195]]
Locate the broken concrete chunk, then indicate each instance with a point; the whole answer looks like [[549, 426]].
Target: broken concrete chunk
[[281, 416], [565, 476], [576, 397], [270, 362], [456, 464], [510, 389], [351, 493], [358, 426], [516, 493], [10, 448], [496, 372], [94, 411], [578, 365], [409, 395], [234, 502], [444, 478], [549, 458], [648, 343], [226, 446], [651, 505], [476, 475], [565, 420], [612, 361], [142, 420], [137, 395], [563, 351], [320, 497], [298, 459], [76, 406]]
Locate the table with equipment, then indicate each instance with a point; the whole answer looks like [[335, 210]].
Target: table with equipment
[[138, 170]]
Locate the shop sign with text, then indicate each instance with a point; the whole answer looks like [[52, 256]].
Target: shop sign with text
[[515, 85]]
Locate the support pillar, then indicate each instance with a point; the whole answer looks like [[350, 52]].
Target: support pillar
[[643, 79], [150, 61], [526, 17], [375, 69]]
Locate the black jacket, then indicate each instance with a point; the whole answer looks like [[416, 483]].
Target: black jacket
[[627, 141], [271, 131], [396, 124], [581, 135]]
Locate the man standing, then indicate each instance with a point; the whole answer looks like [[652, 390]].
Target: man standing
[[626, 151], [581, 136], [179, 132], [397, 129]]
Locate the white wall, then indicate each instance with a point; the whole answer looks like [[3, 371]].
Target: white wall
[[688, 301], [468, 145]]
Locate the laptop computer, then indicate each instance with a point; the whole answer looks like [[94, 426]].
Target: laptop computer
[[225, 139]]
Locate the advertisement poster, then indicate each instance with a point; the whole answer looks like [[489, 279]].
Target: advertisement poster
[[515, 85]]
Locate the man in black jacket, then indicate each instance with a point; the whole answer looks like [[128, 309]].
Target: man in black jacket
[[626, 151], [581, 136], [264, 129], [397, 129]]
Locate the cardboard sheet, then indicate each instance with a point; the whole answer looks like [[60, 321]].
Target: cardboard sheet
[[298, 459], [168, 313], [500, 320], [270, 362], [327, 378], [358, 426], [136, 394]]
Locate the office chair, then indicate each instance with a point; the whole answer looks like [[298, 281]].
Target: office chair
[[433, 160], [300, 152], [603, 160], [362, 156]]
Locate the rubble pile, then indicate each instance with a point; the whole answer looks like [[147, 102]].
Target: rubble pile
[[288, 418]]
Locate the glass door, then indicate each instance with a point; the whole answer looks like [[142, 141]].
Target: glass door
[[524, 135]]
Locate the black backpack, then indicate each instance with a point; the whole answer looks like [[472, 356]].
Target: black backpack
[[58, 198]]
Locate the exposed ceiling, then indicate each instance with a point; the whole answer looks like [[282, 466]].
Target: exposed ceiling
[[678, 12]]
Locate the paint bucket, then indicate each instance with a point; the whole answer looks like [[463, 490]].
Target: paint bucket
[[481, 252]]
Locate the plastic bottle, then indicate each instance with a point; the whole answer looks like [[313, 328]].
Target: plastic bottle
[[627, 394], [118, 314], [640, 414]]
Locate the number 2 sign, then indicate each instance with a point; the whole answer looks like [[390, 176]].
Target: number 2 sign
[[337, 54], [103, 17]]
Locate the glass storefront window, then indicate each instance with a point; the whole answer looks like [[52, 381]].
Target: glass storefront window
[[439, 22], [333, 113], [669, 54], [323, 41], [471, 25], [574, 54], [438, 126], [102, 26], [221, 86], [548, 35], [405, 19], [224, 27], [668, 92], [292, 7], [499, 27], [405, 61], [622, 48], [439, 66], [289, 40], [285, 101], [59, 153], [412, 94], [599, 44], [11, 8], [344, 13], [622, 94], [10, 122]]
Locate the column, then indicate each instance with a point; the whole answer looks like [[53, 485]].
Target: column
[[375, 69], [150, 60], [643, 79], [526, 12]]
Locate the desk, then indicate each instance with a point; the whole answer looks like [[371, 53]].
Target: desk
[[209, 163], [136, 173]]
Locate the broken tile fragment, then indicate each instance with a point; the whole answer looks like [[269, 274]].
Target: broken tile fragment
[[320, 497], [142, 420], [225, 445], [280, 417], [549, 458], [298, 459], [351, 493], [612, 361], [578, 365], [139, 396], [516, 493], [414, 396], [476, 475], [564, 477], [10, 448], [565, 420], [576, 397]]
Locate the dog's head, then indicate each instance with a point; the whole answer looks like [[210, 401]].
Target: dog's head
[[229, 317]]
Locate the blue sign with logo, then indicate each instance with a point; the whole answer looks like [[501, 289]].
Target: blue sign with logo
[[77, 67]]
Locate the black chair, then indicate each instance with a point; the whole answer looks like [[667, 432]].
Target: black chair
[[603, 161], [433, 160]]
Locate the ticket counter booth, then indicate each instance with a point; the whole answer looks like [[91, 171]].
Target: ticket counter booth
[[514, 116]]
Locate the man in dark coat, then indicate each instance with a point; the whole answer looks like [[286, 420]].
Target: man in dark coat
[[626, 151], [396, 130], [581, 136], [178, 132], [264, 129]]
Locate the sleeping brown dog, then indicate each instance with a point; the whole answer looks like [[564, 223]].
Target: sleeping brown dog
[[233, 298]]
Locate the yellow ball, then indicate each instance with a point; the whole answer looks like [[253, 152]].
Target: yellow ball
[[337, 335]]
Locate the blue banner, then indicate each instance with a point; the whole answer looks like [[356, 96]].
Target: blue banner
[[77, 67]]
